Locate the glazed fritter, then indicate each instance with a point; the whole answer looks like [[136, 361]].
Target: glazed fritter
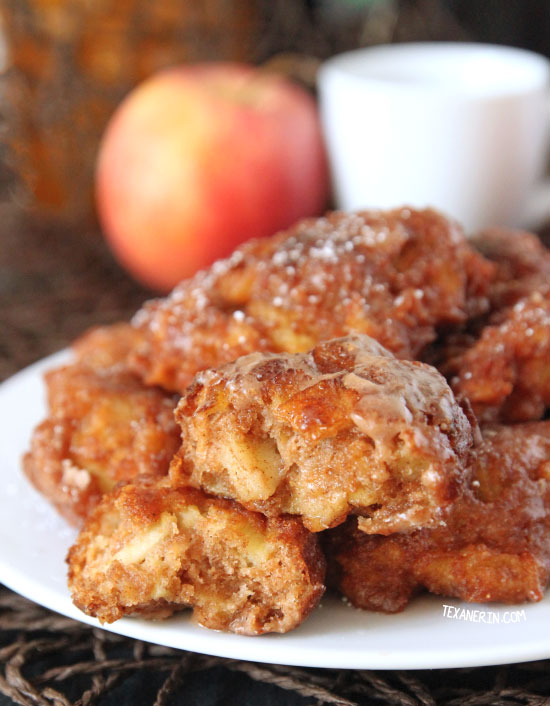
[[347, 427], [505, 373], [394, 275], [103, 426], [107, 347], [499, 361], [522, 264], [149, 550], [493, 547], [353, 444]]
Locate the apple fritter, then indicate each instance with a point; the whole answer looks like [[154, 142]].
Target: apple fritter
[[103, 426], [107, 347], [394, 275], [149, 549], [505, 373], [499, 361], [522, 264], [345, 428], [493, 547]]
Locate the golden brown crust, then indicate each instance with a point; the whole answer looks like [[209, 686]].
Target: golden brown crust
[[393, 275], [104, 426], [505, 373], [345, 430], [522, 264], [149, 549], [493, 547], [347, 427], [499, 361], [107, 347]]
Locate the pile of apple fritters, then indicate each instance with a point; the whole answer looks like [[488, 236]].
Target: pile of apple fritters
[[355, 403]]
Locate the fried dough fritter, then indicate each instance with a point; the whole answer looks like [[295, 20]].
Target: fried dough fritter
[[103, 426], [499, 361], [505, 373], [149, 549], [393, 275], [345, 428], [106, 347], [522, 264], [494, 546]]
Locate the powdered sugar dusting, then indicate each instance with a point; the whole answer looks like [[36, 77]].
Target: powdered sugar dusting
[[372, 272]]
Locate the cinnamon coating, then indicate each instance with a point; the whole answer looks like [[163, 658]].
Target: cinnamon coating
[[394, 275], [499, 361], [150, 550], [354, 440], [344, 428], [505, 373], [522, 264], [103, 426], [493, 546]]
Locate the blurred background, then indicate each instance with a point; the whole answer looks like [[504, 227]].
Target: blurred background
[[64, 67], [66, 64]]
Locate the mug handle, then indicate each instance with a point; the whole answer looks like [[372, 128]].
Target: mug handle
[[537, 212]]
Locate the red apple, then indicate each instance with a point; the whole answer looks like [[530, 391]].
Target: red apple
[[198, 159]]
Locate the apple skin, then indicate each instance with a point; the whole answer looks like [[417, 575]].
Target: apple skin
[[198, 159]]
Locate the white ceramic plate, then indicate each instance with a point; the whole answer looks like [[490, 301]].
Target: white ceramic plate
[[34, 541]]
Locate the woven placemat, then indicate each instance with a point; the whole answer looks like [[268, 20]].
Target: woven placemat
[[48, 659], [53, 285]]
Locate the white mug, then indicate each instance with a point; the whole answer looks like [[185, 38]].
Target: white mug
[[460, 127]]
